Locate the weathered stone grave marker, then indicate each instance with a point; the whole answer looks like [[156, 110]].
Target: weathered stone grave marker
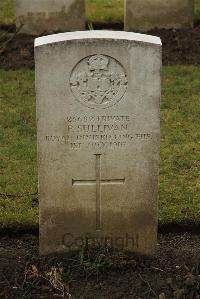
[[144, 15], [98, 139], [39, 16]]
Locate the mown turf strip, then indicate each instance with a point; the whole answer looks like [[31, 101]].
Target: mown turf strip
[[180, 148]]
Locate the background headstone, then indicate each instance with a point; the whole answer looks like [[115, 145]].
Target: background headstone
[[143, 15], [98, 98], [40, 16]]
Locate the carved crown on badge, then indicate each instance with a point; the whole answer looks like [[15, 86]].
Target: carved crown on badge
[[98, 62], [98, 81]]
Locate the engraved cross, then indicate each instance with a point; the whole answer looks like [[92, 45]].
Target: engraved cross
[[98, 181]]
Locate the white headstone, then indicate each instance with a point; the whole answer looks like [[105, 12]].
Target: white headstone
[[98, 98], [143, 15], [39, 16]]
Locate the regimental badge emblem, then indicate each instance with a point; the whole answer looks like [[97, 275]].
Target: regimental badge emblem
[[98, 81]]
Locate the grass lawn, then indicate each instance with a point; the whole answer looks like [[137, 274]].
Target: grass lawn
[[180, 148], [7, 11], [103, 11], [197, 10], [18, 153]]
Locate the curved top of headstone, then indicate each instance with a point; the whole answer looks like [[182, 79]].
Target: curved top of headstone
[[97, 34]]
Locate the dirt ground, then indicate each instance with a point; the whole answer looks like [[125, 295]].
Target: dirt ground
[[174, 272], [179, 46]]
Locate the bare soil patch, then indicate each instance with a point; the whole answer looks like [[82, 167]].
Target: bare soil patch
[[179, 46], [174, 272]]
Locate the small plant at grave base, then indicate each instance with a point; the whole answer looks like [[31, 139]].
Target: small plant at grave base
[[95, 260], [90, 26], [89, 262]]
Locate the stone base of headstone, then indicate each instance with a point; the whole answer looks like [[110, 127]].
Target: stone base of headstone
[[144, 15], [37, 17]]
